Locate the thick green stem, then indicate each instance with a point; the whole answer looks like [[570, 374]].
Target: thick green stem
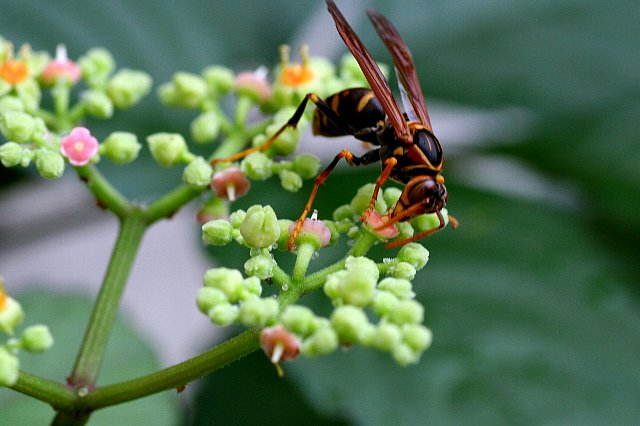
[[107, 196], [167, 205], [105, 309], [57, 395]]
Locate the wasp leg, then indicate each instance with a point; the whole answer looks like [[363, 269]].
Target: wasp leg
[[418, 235], [369, 157], [388, 164]]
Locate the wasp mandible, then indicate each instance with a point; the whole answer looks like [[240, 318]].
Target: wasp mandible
[[407, 148]]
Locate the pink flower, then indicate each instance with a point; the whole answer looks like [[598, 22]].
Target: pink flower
[[314, 226], [79, 146], [61, 68], [255, 83], [377, 224], [279, 344], [230, 183]]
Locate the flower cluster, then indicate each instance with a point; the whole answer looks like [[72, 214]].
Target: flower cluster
[[35, 338]]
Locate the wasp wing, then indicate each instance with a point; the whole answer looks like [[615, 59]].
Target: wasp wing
[[403, 61], [372, 72]]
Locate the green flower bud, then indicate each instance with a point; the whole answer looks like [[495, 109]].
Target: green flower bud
[[290, 181], [286, 143], [391, 195], [425, 222], [386, 336], [384, 302], [321, 342], [121, 147], [283, 239], [167, 149], [98, 103], [127, 87], [96, 65], [403, 270], [406, 312], [50, 164], [36, 338], [252, 287], [229, 281], [404, 355], [260, 227], [417, 337], [306, 165], [168, 94], [257, 166], [209, 297], [400, 288], [217, 232], [198, 173], [350, 323], [205, 127], [362, 198], [258, 312], [223, 314], [299, 320], [363, 265], [17, 126], [11, 314], [236, 218], [11, 103], [344, 213], [191, 89], [219, 79], [415, 254], [259, 266], [9, 368], [10, 154], [29, 93]]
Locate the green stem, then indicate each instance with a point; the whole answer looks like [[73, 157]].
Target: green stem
[[105, 309], [108, 196], [243, 106], [57, 395], [167, 205], [304, 254]]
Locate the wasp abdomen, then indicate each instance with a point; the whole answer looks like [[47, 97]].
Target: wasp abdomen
[[359, 107]]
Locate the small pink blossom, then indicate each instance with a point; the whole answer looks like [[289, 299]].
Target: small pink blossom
[[61, 67], [377, 224], [279, 344], [314, 226], [255, 82], [230, 183], [79, 146]]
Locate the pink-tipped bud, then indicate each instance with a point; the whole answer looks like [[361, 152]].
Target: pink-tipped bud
[[230, 183], [279, 344]]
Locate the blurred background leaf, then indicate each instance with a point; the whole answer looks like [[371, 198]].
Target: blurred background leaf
[[534, 300]]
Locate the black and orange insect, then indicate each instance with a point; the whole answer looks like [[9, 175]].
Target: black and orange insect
[[407, 148]]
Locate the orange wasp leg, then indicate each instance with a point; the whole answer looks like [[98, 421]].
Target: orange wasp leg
[[419, 235], [389, 164]]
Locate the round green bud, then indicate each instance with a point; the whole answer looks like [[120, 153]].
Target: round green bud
[[36, 338], [223, 314], [391, 195], [404, 270], [425, 222], [290, 181], [322, 341], [258, 312], [251, 287], [17, 126], [404, 355], [344, 213], [386, 336], [260, 227], [205, 127], [406, 312], [29, 93], [415, 254], [236, 218], [229, 281], [197, 173], [127, 87], [9, 368], [350, 323], [10, 154], [217, 232], [257, 166], [11, 315], [362, 264], [352, 287], [299, 320], [167, 149], [219, 79], [168, 94], [11, 103], [362, 198], [96, 65], [283, 239], [209, 297], [417, 337], [260, 266], [335, 232], [384, 302], [121, 147], [98, 104], [50, 164], [401, 288], [306, 165], [191, 89]]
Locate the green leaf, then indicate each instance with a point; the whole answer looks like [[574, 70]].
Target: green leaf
[[127, 356]]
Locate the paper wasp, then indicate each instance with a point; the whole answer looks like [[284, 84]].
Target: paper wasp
[[407, 148]]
